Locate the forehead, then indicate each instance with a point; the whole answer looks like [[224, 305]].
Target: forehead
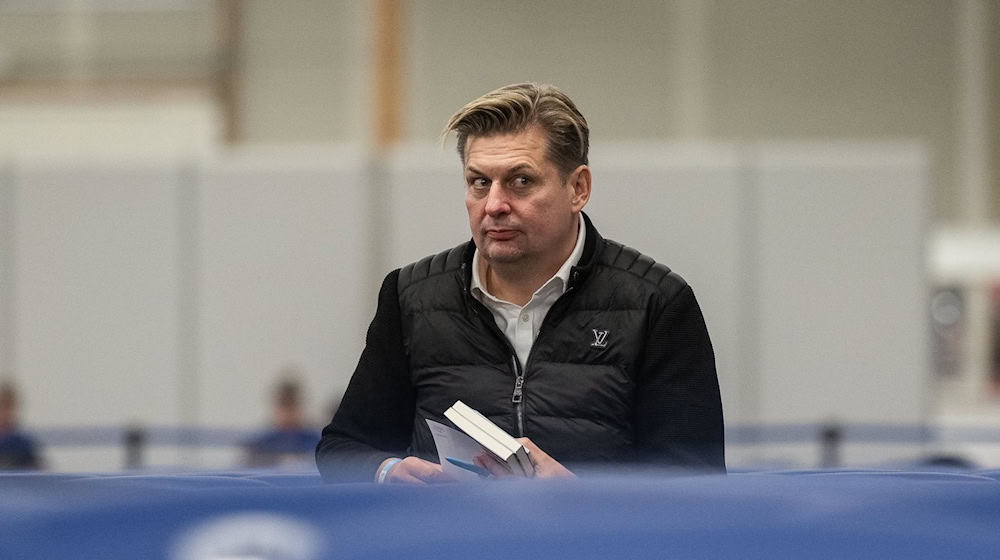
[[529, 145]]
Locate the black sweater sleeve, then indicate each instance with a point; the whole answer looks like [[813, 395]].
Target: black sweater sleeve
[[678, 413], [375, 417]]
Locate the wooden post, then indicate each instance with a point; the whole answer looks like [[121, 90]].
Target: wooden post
[[227, 70], [388, 72]]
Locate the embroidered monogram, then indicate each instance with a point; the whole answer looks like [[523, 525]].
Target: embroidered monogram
[[600, 339]]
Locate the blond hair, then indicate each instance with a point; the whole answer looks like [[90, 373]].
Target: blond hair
[[513, 108]]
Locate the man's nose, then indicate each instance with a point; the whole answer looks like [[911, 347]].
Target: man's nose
[[496, 201]]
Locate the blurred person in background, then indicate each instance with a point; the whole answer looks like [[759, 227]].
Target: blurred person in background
[[288, 441], [588, 351], [17, 450]]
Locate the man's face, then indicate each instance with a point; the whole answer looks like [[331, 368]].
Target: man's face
[[521, 209]]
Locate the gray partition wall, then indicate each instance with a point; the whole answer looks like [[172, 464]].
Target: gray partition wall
[[173, 293], [841, 282], [8, 228], [284, 244], [424, 203], [95, 272]]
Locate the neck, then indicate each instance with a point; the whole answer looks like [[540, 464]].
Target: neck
[[512, 284], [517, 282]]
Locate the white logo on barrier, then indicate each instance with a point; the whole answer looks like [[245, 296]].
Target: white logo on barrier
[[249, 535], [600, 339]]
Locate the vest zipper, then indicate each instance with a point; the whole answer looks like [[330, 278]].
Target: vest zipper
[[518, 395]]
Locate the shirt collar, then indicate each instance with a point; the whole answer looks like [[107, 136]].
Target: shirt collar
[[561, 275]]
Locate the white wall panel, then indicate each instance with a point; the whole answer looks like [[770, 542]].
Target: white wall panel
[[283, 249], [842, 289], [96, 277], [424, 203], [8, 226]]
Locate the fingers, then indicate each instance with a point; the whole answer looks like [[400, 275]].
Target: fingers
[[417, 471], [489, 462], [533, 450], [414, 470], [406, 478], [545, 466]]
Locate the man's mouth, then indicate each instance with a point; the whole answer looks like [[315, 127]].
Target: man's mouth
[[500, 234]]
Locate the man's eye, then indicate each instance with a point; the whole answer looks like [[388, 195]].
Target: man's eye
[[479, 186], [522, 180]]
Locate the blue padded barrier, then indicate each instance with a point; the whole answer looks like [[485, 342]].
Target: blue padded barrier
[[805, 514], [990, 473]]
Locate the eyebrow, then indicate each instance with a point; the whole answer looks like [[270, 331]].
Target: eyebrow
[[515, 169]]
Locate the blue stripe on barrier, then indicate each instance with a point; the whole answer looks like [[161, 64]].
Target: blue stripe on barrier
[[746, 434], [802, 433], [151, 435]]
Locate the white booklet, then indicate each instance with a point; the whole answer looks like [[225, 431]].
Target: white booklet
[[484, 435], [456, 445]]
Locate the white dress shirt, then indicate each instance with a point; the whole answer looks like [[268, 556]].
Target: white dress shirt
[[520, 324]]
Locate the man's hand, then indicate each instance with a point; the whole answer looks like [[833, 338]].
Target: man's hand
[[545, 466], [414, 470]]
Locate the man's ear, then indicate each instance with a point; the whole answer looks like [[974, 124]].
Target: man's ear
[[579, 181]]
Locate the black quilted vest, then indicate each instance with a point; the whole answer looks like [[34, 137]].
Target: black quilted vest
[[579, 381]]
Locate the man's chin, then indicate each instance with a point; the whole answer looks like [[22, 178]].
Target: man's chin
[[495, 256]]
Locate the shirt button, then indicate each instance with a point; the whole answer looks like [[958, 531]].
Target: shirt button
[[524, 317]]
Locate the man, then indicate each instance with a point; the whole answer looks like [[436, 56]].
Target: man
[[17, 450], [587, 350], [287, 442]]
